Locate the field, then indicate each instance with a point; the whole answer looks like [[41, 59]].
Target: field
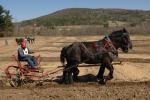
[[131, 78]]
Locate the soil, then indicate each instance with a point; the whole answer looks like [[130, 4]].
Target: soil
[[80, 91], [131, 78]]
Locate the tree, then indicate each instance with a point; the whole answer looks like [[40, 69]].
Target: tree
[[6, 25], [1, 18]]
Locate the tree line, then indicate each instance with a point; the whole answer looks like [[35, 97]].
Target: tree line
[[6, 25], [85, 16]]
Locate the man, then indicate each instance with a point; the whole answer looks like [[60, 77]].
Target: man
[[23, 55]]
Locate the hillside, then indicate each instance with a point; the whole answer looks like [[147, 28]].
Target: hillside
[[84, 16], [84, 21]]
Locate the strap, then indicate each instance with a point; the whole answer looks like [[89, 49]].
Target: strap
[[109, 43]]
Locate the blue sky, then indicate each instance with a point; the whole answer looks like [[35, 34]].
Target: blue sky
[[27, 9]]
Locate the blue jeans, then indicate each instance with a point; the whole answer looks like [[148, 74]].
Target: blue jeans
[[31, 61]]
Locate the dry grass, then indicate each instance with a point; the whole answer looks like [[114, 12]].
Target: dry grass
[[50, 47]]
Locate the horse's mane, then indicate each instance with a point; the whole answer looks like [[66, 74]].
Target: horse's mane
[[118, 33]]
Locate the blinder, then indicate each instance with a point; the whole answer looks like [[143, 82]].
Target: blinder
[[125, 42]]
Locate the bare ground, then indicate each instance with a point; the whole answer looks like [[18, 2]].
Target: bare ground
[[80, 91], [131, 78]]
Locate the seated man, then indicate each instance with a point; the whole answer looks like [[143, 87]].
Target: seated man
[[23, 55]]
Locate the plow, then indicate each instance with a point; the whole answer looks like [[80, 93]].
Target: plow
[[20, 74]]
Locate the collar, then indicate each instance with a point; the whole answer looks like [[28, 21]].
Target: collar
[[108, 43]]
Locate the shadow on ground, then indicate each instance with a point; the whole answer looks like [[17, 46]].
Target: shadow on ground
[[83, 78]]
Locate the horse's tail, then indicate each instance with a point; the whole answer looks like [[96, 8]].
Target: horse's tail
[[63, 56]]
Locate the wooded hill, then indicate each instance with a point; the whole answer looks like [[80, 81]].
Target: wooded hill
[[84, 21], [85, 16]]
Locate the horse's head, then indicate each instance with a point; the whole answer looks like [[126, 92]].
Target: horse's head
[[122, 39]]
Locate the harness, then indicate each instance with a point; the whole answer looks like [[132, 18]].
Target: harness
[[108, 43]]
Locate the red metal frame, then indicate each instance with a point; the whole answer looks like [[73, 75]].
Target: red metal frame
[[24, 71], [20, 73]]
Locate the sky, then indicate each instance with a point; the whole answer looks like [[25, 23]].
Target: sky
[[28, 9]]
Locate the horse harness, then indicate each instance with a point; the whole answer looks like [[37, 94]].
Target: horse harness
[[107, 44], [83, 47]]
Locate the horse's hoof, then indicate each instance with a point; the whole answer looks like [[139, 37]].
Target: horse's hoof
[[76, 79], [68, 81], [65, 82], [111, 77], [102, 81], [108, 77]]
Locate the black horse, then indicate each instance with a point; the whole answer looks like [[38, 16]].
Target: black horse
[[97, 52], [30, 39]]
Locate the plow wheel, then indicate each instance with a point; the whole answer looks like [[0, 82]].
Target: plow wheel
[[15, 82], [16, 78]]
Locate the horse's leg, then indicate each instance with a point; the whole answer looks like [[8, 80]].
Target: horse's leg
[[65, 78], [67, 75], [75, 70], [105, 63], [70, 79], [100, 74], [75, 73], [111, 70]]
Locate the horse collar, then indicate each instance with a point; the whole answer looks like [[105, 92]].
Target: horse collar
[[108, 43]]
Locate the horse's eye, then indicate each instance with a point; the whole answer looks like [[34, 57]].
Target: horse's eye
[[125, 40]]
